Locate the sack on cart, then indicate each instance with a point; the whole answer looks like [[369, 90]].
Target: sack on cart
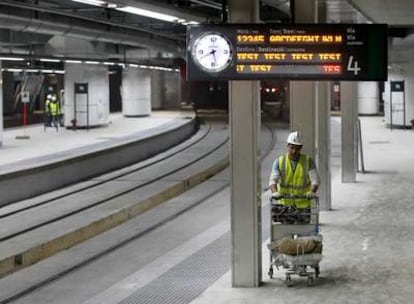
[[303, 250], [299, 245]]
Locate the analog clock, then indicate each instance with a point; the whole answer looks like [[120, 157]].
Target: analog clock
[[212, 52]]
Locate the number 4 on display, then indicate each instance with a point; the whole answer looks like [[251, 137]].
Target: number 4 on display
[[353, 65]]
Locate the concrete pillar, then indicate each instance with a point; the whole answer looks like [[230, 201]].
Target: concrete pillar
[[323, 134], [303, 93], [171, 90], [310, 108], [96, 76], [302, 112], [368, 97], [244, 120], [349, 146], [136, 92], [1, 106], [157, 89], [323, 144]]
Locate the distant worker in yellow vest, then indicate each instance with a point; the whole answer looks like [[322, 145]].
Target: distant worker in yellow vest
[[54, 109], [48, 117], [294, 174]]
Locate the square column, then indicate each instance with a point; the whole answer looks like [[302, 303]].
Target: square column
[[1, 106], [244, 110], [349, 116], [309, 107]]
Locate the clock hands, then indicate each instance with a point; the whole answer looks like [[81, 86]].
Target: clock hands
[[212, 52]]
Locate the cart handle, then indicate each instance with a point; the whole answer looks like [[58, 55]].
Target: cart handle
[[288, 196]]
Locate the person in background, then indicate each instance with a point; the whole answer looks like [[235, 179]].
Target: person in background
[[54, 110], [294, 174], [48, 100]]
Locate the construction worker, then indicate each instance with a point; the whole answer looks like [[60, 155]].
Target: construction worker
[[294, 174], [48, 117], [54, 109]]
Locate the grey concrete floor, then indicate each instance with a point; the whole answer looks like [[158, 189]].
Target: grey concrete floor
[[368, 236], [368, 241]]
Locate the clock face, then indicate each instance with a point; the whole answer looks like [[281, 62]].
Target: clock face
[[212, 52]]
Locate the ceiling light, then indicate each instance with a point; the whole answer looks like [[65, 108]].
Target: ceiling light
[[14, 70], [91, 2], [11, 58], [73, 61], [147, 13], [92, 62], [49, 60]]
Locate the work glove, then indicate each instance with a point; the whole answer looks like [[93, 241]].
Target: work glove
[[310, 195]]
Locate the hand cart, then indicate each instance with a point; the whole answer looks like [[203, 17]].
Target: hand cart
[[295, 242]]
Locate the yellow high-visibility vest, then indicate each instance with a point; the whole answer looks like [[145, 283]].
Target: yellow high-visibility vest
[[54, 108], [294, 182]]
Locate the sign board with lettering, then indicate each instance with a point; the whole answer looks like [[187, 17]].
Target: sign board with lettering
[[25, 96], [292, 52]]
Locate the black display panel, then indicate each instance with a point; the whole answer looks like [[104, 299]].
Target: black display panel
[[287, 51]]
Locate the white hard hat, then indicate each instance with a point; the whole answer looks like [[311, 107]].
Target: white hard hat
[[295, 138]]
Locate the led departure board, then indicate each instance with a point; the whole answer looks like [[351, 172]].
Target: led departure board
[[287, 51]]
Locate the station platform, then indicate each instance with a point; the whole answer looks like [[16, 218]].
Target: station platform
[[367, 254], [48, 142], [368, 234], [31, 160]]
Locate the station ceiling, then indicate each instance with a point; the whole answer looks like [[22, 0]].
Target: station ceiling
[[108, 30]]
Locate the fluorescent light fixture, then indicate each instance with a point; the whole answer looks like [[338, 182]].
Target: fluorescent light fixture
[[47, 71], [92, 62], [49, 60], [91, 2], [190, 22], [14, 70], [133, 65], [147, 13], [108, 63], [60, 71], [73, 61], [12, 58], [32, 70]]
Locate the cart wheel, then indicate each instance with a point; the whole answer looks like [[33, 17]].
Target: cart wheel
[[310, 280], [317, 271], [270, 273]]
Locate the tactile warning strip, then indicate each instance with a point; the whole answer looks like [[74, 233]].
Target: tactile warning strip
[[188, 279], [185, 281]]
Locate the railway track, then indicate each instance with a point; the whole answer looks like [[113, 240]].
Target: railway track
[[165, 166]]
